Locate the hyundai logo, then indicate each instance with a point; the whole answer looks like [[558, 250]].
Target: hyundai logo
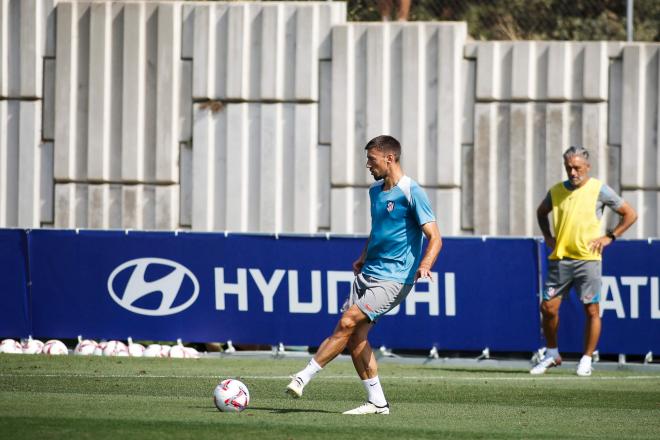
[[171, 286]]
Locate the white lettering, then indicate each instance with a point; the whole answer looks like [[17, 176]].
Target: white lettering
[[267, 288], [609, 284], [634, 283], [335, 277], [295, 305], [450, 294], [222, 289], [430, 297], [655, 299]]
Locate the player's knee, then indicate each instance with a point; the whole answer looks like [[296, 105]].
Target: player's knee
[[548, 309], [347, 324]]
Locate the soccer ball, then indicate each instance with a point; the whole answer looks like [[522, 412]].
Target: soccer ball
[[231, 395], [85, 347], [55, 347], [115, 348], [32, 346], [10, 346]]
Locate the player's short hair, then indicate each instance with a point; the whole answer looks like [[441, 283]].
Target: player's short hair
[[386, 144], [576, 151]]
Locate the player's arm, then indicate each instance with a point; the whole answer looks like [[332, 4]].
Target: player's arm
[[628, 216], [357, 264], [542, 212], [432, 234]]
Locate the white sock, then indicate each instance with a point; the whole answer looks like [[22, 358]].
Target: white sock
[[374, 391], [309, 371], [554, 352], [585, 359]]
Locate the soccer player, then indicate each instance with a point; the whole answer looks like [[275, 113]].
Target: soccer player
[[577, 206], [390, 263]]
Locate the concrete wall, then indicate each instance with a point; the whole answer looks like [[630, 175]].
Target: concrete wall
[[252, 116]]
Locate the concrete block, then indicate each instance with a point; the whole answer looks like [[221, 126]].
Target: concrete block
[[323, 187], [48, 117], [467, 189], [468, 99], [10, 32], [330, 14], [168, 92], [350, 211], [272, 188], [166, 207], [522, 208], [343, 106], [647, 205], [325, 102], [596, 71], [185, 101], [272, 60], [615, 104], [98, 210], [71, 202], [523, 71], [238, 51], [98, 120], [188, 31], [9, 162], [185, 185], [306, 53], [489, 74], [134, 94], [304, 215], [29, 164], [446, 204], [46, 184], [559, 71], [205, 166], [594, 137]]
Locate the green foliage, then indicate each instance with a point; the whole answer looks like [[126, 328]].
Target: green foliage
[[532, 19]]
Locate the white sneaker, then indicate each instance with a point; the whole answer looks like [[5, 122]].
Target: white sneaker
[[369, 408], [295, 388], [546, 362], [584, 369]]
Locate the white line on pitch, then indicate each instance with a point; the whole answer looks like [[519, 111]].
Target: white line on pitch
[[435, 378]]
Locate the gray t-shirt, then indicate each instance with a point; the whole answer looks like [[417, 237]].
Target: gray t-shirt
[[606, 197]]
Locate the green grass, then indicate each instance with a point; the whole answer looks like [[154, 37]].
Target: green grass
[[109, 398]]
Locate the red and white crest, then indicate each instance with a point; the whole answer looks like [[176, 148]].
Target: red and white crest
[[390, 206]]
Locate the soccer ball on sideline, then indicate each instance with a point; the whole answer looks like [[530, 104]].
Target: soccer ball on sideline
[[231, 395]]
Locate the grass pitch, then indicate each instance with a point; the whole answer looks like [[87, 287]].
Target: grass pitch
[[108, 398]]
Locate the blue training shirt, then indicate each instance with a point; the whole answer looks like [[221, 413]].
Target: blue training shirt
[[395, 243]]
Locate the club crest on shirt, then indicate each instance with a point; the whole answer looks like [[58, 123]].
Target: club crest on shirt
[[390, 206]]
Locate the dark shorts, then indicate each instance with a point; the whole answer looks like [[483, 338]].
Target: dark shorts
[[582, 275]]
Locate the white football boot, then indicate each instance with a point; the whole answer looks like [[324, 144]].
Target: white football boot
[[546, 362], [369, 408], [584, 369], [295, 387]]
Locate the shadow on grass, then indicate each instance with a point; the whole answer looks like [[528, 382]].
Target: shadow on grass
[[289, 410], [483, 370]]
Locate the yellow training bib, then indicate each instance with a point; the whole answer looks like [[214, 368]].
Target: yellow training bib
[[575, 220]]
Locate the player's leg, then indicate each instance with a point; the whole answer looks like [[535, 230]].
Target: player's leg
[[329, 349], [588, 288], [385, 9], [404, 9], [550, 314]]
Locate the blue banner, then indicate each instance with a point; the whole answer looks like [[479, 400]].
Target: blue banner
[[267, 289], [630, 302], [14, 313]]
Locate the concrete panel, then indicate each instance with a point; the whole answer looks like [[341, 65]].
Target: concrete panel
[[166, 209], [187, 31], [46, 184], [542, 71], [48, 117], [71, 87], [9, 165], [467, 190], [404, 80], [323, 187], [71, 201], [185, 102], [349, 211], [25, 27], [446, 204], [186, 185], [647, 205], [325, 102], [468, 100], [261, 51], [133, 93], [98, 120], [614, 105], [168, 92], [640, 142], [29, 164]]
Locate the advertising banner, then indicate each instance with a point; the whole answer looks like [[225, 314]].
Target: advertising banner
[[268, 289], [14, 313]]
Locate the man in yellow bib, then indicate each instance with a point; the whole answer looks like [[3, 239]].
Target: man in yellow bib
[[577, 206]]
